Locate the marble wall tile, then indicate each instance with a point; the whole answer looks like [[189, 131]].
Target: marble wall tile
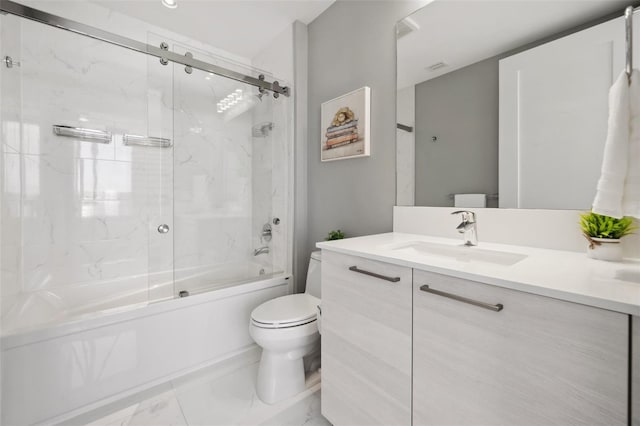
[[212, 183], [10, 230], [83, 212], [10, 85], [275, 57]]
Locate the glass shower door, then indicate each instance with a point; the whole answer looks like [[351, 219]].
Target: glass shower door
[[222, 180], [82, 197]]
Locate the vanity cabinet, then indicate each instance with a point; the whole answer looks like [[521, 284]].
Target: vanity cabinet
[[402, 346], [366, 341], [489, 355]]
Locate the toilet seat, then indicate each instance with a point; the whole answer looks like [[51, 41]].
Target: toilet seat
[[286, 311]]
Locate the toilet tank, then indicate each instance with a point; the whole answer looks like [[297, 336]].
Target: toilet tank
[[313, 275]]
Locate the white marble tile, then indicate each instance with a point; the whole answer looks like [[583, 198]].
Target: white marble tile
[[163, 410], [231, 400], [10, 86], [221, 395], [160, 410], [304, 413], [225, 401], [118, 418]]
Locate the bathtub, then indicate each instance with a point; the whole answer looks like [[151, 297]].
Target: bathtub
[[56, 372]]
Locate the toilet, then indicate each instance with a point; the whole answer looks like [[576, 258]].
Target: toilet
[[287, 330]]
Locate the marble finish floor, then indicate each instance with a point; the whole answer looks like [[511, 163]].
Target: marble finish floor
[[213, 398]]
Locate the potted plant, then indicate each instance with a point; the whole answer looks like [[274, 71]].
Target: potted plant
[[604, 233], [335, 235]]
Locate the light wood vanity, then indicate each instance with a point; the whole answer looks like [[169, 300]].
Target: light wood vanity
[[406, 346]]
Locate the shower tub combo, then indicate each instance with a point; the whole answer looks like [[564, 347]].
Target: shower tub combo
[[145, 209]]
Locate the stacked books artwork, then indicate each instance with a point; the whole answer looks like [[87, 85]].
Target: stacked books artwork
[[343, 129]]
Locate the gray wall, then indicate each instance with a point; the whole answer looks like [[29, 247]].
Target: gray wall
[[352, 44], [300, 95], [461, 110]]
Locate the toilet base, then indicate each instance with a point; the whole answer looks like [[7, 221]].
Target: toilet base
[[279, 377]]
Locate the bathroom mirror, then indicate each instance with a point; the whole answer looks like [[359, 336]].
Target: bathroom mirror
[[507, 100]]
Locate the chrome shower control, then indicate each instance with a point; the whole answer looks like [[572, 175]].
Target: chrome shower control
[[276, 221], [266, 232], [163, 229]]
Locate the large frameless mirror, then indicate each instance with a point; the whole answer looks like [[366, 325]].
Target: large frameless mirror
[[504, 104]]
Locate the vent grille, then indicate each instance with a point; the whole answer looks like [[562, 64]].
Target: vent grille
[[437, 66]]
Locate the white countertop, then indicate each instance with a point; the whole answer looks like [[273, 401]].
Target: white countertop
[[564, 275]]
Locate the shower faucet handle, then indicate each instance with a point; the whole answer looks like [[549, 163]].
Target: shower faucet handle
[[163, 229], [266, 232]]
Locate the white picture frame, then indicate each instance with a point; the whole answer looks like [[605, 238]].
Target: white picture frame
[[345, 126]]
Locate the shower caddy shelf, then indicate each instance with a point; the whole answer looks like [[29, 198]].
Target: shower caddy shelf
[[90, 135], [100, 136]]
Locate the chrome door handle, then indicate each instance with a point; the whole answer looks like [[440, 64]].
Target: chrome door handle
[[496, 308], [373, 274]]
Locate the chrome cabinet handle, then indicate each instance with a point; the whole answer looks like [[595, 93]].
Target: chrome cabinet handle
[[495, 308], [373, 274]]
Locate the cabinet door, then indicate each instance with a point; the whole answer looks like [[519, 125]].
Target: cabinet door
[[538, 361], [366, 342]]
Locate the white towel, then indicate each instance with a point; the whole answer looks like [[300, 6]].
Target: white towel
[[618, 191], [631, 196], [470, 200]]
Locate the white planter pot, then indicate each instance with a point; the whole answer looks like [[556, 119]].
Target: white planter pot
[[605, 249]]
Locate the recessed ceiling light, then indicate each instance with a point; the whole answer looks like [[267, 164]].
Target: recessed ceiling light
[[171, 4]]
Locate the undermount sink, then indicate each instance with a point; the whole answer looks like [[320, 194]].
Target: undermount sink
[[460, 253]]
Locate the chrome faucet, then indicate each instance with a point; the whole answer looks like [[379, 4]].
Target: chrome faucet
[[468, 227], [261, 250]]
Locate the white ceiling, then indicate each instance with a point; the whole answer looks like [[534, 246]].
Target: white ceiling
[[462, 32], [242, 27]]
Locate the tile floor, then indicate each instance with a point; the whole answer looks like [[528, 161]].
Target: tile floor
[[218, 397]]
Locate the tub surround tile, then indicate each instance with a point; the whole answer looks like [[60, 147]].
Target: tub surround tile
[[10, 87]]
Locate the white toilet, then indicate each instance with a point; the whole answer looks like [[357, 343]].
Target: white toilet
[[287, 329]]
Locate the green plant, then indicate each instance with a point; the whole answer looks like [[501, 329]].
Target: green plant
[[598, 226], [335, 235]]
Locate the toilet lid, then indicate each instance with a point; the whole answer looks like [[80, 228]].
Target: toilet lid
[[286, 311]]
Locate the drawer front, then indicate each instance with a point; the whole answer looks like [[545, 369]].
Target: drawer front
[[366, 341], [536, 361]]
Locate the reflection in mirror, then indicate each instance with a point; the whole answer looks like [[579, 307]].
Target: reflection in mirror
[[504, 104]]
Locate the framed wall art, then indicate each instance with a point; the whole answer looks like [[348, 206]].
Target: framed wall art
[[344, 124]]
